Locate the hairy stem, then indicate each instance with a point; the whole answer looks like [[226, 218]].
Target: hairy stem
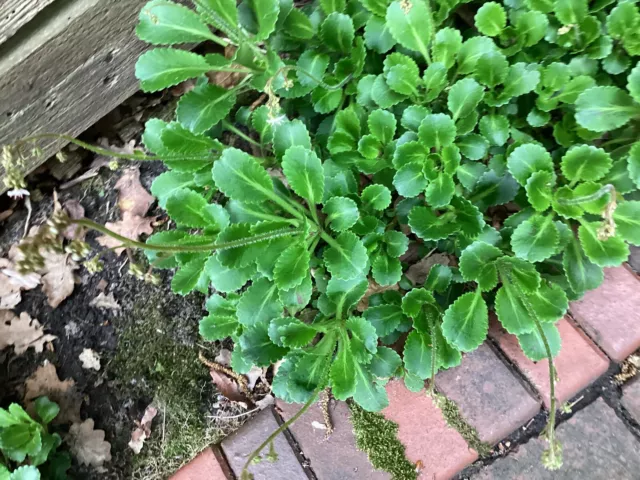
[[209, 247], [281, 429], [236, 131], [434, 356], [138, 156]]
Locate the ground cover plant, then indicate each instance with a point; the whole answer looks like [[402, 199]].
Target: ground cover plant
[[27, 449], [501, 134]]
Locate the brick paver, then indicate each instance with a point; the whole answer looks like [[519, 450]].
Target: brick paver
[[429, 442], [206, 466], [238, 446], [578, 364], [596, 446], [611, 313], [631, 399], [336, 458], [490, 397]]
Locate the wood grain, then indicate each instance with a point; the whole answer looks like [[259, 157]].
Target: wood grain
[[72, 79], [14, 14]]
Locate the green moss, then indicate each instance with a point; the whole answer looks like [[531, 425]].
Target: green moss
[[152, 364], [377, 436], [454, 419]]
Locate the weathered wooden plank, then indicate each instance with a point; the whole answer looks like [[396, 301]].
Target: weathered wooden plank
[[82, 66], [14, 14]]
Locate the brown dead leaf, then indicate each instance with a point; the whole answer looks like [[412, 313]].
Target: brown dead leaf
[[227, 386], [88, 444], [58, 279], [22, 332], [374, 288], [5, 214], [143, 431], [131, 226], [418, 272], [75, 211], [107, 302], [13, 283], [133, 197], [45, 381]]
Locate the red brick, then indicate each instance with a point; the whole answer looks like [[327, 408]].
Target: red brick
[[596, 445], [631, 399], [428, 440], [578, 364], [610, 314], [336, 458], [206, 466], [238, 446], [489, 396]]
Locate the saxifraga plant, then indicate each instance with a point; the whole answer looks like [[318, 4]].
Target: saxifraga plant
[[499, 133], [28, 451]]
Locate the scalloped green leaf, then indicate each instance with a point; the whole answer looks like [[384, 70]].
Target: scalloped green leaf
[[377, 36], [437, 130], [165, 67], [410, 24], [337, 32], [539, 188], [428, 226], [259, 303], [605, 108], [627, 219], [376, 197], [342, 213], [167, 23], [240, 177], [527, 159], [609, 252], [476, 264], [490, 19], [535, 239], [582, 274], [343, 371], [305, 174], [417, 354], [445, 46], [409, 180], [585, 162], [292, 267], [533, 346], [495, 128], [464, 97], [204, 106], [346, 257], [466, 322], [386, 270]]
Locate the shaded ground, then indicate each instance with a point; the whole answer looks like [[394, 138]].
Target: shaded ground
[[148, 349]]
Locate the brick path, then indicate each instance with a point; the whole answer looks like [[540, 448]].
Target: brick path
[[498, 391]]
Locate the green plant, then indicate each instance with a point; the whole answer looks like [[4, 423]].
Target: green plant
[[502, 134], [26, 445]]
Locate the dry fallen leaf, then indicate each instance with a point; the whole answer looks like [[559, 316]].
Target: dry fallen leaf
[[373, 288], [75, 211], [88, 444], [108, 302], [58, 279], [13, 283], [131, 226], [143, 431], [133, 197], [45, 381], [90, 359], [224, 357], [227, 386], [134, 202], [253, 376], [418, 272], [22, 332]]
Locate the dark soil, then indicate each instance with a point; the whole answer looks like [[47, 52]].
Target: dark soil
[[148, 349]]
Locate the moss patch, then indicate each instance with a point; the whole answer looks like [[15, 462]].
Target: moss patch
[[377, 437], [154, 365], [454, 419]]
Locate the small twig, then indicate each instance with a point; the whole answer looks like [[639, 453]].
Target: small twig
[[85, 176], [27, 203], [217, 417], [258, 102]]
